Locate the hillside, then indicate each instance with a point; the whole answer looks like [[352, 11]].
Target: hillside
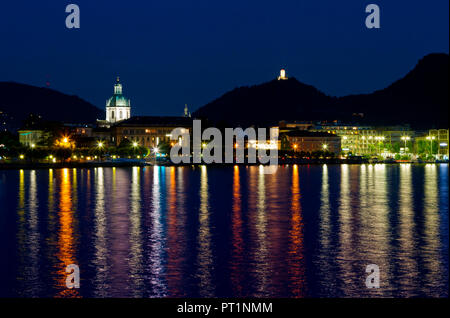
[[419, 99], [267, 102], [20, 100]]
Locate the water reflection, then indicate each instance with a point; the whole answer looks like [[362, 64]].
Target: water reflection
[[136, 257], [175, 232], [66, 238], [180, 231], [155, 258], [296, 264], [325, 256], [204, 261], [28, 236], [237, 259], [345, 257], [21, 235], [33, 236], [259, 225], [406, 259], [430, 247], [118, 221], [374, 232], [100, 239]]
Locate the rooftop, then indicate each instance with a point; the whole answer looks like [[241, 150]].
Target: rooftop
[[306, 133], [144, 121]]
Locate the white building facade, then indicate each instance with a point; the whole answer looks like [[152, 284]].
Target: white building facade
[[118, 107]]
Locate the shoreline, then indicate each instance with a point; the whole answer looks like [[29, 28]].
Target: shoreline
[[87, 165]]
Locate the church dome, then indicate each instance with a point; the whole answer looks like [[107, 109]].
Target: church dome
[[118, 100]]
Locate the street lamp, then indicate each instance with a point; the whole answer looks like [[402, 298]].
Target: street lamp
[[156, 151], [100, 147], [431, 138], [405, 139], [380, 139]]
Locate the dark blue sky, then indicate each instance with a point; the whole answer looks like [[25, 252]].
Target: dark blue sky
[[169, 53]]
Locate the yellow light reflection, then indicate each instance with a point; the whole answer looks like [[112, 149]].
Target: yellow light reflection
[[204, 261], [100, 241], [174, 239], [156, 235], [406, 260], [237, 258], [434, 270], [296, 257], [136, 261], [66, 242]]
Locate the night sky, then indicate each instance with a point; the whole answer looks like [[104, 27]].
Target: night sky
[[169, 53]]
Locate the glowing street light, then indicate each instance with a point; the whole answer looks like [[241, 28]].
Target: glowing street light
[[405, 139], [325, 146], [33, 146], [63, 142], [380, 139], [431, 138], [100, 144], [155, 151], [135, 144]]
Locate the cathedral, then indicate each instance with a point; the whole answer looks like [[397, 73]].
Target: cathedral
[[118, 107]]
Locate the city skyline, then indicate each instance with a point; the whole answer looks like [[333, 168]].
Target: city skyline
[[222, 158]]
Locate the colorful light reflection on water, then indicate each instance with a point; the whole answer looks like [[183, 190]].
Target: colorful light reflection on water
[[306, 231]]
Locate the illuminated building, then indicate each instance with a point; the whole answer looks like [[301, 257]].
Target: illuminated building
[[307, 141], [369, 140], [438, 139], [286, 126], [30, 137], [148, 131], [442, 140], [266, 144], [118, 107], [282, 75]]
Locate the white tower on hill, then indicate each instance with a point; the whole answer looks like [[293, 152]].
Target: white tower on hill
[[282, 75]]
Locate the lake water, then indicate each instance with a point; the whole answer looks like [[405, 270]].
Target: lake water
[[305, 231]]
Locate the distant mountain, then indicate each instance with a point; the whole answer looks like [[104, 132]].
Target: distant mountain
[[267, 102], [20, 100], [419, 99]]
